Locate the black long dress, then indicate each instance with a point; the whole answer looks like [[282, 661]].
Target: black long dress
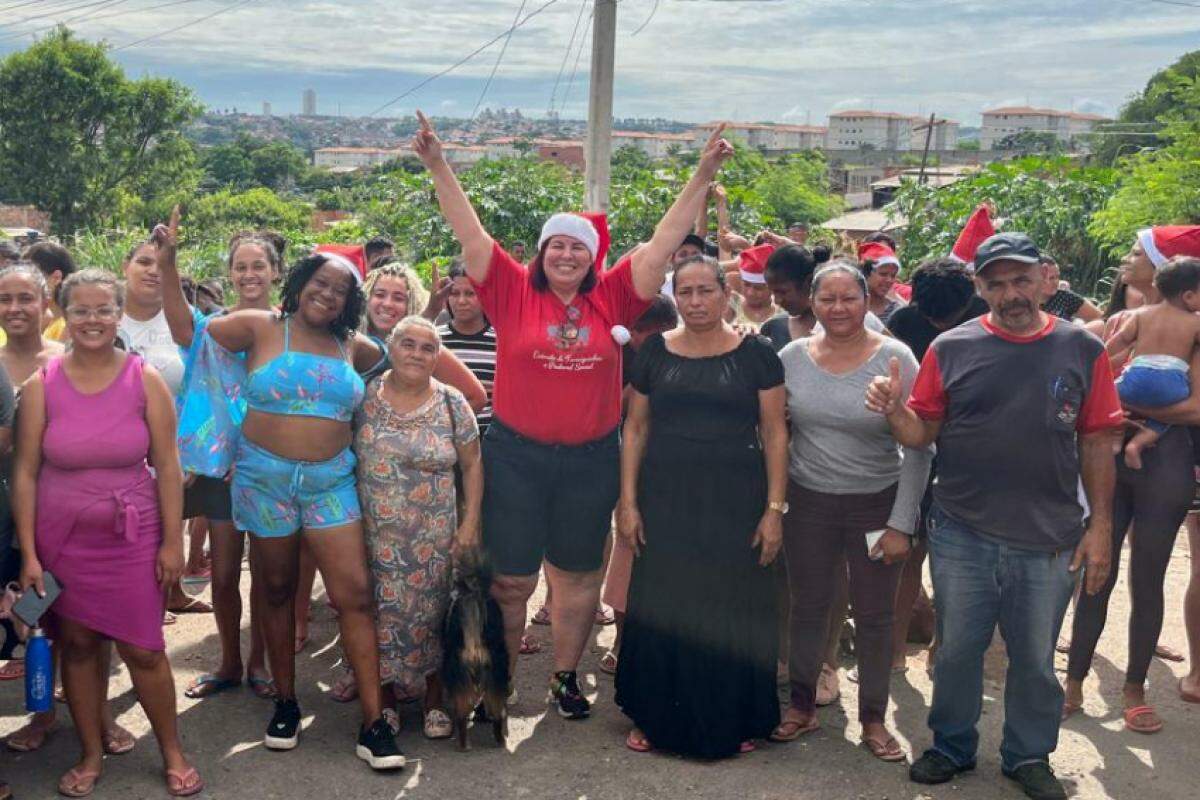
[[697, 666]]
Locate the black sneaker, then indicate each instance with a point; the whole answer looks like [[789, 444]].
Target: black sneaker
[[933, 767], [564, 688], [1038, 781], [377, 746], [284, 731]]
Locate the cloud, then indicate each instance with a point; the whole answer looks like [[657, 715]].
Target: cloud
[[697, 59]]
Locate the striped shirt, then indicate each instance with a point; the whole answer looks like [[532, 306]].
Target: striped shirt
[[478, 352]]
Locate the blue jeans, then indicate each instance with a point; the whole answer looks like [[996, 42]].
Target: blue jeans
[[977, 584]]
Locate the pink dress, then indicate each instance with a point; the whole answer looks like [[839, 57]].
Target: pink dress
[[98, 526]]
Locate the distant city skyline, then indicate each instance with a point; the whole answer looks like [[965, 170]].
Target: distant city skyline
[[693, 60]]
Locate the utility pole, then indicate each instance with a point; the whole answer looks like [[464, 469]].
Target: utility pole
[[925, 153], [600, 105]]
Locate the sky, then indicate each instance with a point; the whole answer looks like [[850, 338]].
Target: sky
[[691, 60]]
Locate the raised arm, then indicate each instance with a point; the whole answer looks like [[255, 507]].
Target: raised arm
[[456, 207], [237, 331], [651, 262], [885, 395], [175, 305]]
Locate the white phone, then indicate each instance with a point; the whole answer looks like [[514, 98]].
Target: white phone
[[873, 538]]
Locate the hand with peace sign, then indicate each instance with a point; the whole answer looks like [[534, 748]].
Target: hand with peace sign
[[885, 393], [426, 144], [716, 152]]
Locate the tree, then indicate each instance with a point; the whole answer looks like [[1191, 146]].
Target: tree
[[797, 190], [1031, 142], [248, 162], [76, 133], [971, 145], [1138, 120]]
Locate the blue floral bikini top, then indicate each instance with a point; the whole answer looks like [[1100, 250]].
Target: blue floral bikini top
[[300, 384]]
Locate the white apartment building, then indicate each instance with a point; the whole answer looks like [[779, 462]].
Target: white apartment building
[[348, 159], [945, 134], [766, 136], [1065, 125], [880, 130], [655, 145]]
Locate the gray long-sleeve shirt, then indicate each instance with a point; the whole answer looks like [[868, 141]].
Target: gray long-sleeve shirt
[[838, 446]]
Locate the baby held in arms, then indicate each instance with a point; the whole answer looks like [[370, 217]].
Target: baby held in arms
[[1161, 339]]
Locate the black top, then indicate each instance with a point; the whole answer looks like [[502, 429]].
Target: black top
[[912, 327], [714, 397], [776, 331], [1064, 303]]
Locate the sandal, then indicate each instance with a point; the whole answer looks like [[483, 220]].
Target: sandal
[[1070, 709], [542, 617], [438, 724], [885, 750], [828, 690], [789, 730], [118, 741], [207, 685], [605, 615], [192, 606], [30, 738], [78, 783], [746, 747], [1132, 714], [637, 742], [608, 663], [169, 618], [345, 688], [13, 670], [1168, 653], [263, 688], [184, 783], [529, 646]]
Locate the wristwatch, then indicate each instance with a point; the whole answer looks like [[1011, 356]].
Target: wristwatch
[[779, 505]]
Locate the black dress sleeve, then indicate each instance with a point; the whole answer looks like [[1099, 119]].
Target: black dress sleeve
[[645, 366], [766, 368]]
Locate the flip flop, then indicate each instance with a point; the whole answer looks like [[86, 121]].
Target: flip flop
[[746, 747], [797, 727], [887, 750], [263, 688], [184, 783], [78, 783], [29, 738], [529, 646], [1069, 710], [542, 617], [118, 741], [1131, 715], [207, 685], [169, 618], [637, 742], [1187, 696], [344, 689], [13, 670], [192, 606], [1168, 653]]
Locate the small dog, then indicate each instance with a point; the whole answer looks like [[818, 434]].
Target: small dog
[[475, 658]]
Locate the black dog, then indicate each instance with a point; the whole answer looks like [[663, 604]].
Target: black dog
[[475, 661]]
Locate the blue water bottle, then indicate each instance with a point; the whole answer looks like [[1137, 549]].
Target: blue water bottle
[[39, 673]]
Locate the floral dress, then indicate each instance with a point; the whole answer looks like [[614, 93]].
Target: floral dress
[[406, 486]]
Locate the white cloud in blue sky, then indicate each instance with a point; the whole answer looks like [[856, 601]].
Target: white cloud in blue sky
[[696, 59]]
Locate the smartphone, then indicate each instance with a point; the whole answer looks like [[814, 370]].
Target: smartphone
[[30, 607], [873, 538]]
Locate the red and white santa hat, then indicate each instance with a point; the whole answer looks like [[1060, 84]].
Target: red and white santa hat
[[589, 227], [752, 263], [1164, 242], [878, 253], [978, 228]]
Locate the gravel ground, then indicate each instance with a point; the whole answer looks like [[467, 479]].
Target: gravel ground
[[548, 757]]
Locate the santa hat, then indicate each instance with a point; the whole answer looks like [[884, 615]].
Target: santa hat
[[878, 253], [591, 228], [353, 256], [1163, 243], [752, 263], [978, 228]]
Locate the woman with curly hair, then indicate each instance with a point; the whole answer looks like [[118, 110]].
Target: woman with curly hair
[[294, 473]]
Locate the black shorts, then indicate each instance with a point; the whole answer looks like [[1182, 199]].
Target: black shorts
[[547, 501], [208, 497]]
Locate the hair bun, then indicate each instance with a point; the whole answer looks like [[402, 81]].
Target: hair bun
[[821, 253]]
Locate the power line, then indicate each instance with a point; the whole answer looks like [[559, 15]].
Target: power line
[[196, 21], [423, 83], [15, 6], [567, 55], [642, 27], [90, 18], [87, 14], [499, 58], [578, 55], [45, 14], [1177, 3]]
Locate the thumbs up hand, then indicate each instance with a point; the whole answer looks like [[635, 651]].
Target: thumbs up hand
[[883, 393]]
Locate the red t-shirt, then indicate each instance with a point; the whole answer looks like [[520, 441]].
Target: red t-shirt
[[558, 369]]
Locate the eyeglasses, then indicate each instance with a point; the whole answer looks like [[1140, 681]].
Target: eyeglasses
[[82, 314]]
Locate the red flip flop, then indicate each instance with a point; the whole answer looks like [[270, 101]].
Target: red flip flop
[[636, 744], [1131, 715]]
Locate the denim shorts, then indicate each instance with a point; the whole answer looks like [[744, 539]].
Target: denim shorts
[[547, 501], [275, 496]]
